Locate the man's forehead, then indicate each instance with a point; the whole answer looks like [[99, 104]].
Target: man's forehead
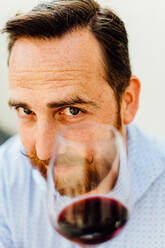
[[48, 79], [77, 48], [74, 58]]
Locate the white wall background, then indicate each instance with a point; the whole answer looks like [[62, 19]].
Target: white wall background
[[145, 23]]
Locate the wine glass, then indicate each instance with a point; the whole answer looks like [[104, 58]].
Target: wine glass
[[89, 198]]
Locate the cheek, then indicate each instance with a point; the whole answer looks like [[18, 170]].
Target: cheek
[[27, 137], [108, 114]]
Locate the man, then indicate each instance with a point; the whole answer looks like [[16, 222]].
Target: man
[[69, 63]]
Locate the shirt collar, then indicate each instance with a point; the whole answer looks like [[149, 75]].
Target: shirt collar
[[146, 156]]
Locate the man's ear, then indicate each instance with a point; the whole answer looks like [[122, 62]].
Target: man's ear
[[130, 100]]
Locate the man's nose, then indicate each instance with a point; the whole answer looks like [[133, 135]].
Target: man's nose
[[45, 140]]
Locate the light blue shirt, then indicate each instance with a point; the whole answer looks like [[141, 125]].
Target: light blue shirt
[[24, 221]]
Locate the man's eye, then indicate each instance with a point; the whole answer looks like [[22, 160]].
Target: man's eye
[[27, 111], [24, 111], [72, 111]]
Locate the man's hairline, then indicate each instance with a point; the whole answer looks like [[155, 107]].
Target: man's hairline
[[102, 60]]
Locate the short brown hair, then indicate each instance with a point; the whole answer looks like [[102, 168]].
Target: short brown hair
[[56, 18]]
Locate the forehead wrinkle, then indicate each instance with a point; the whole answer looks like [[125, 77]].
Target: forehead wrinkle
[[46, 68], [50, 79], [52, 72], [26, 79], [41, 85]]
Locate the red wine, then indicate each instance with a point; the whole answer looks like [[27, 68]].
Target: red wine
[[92, 220]]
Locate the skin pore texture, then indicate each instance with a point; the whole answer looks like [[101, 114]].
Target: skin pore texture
[[61, 81]]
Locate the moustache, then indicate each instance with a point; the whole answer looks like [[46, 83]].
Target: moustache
[[73, 174], [41, 165]]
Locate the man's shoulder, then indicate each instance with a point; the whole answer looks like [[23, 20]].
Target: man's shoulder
[[13, 162], [146, 157], [12, 141], [10, 149], [155, 148], [15, 167], [146, 142]]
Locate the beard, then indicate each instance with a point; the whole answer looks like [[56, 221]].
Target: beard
[[41, 165], [82, 179], [75, 175]]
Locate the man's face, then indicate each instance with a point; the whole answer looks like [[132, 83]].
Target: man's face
[[55, 83]]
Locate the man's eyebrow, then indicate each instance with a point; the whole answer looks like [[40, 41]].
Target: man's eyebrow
[[59, 104], [14, 103], [70, 101]]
